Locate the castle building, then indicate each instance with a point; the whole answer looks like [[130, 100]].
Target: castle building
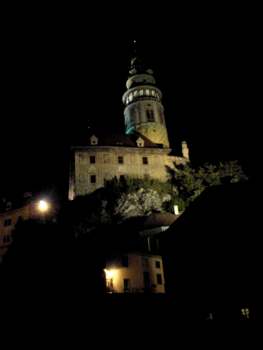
[[142, 151]]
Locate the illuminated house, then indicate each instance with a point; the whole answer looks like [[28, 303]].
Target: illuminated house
[[144, 149], [140, 268], [135, 273]]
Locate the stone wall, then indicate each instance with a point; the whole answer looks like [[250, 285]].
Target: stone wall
[[107, 165]]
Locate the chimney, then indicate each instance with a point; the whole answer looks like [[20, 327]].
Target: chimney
[[185, 150]]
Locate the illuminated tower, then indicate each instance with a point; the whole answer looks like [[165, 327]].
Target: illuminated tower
[[144, 112]]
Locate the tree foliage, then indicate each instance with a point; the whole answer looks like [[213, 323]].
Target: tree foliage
[[189, 182]]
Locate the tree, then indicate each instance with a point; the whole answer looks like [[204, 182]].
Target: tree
[[189, 182]]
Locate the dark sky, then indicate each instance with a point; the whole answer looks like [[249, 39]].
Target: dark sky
[[60, 76]]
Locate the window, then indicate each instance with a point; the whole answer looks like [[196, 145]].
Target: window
[[157, 264], [144, 160], [126, 284], [146, 279], [92, 159], [159, 278], [147, 92], [93, 179], [150, 115], [125, 261], [141, 92], [93, 140], [120, 160], [8, 222]]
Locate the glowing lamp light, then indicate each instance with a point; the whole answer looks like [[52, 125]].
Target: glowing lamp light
[[110, 273], [43, 206]]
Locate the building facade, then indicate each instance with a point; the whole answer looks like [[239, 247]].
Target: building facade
[[143, 150], [135, 273]]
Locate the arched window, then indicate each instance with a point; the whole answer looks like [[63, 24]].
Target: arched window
[[150, 115]]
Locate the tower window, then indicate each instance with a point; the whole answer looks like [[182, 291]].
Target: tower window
[[144, 160], [120, 160], [92, 179], [153, 93], [141, 92], [92, 159], [147, 92], [150, 115]]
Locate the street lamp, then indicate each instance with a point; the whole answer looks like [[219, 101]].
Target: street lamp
[[43, 206]]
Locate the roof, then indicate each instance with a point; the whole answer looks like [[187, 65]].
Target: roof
[[151, 221], [120, 140]]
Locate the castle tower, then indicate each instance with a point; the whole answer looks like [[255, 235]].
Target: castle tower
[[144, 112]]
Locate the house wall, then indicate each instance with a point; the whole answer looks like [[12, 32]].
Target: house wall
[[137, 265]]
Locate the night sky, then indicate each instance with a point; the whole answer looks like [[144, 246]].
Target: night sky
[[61, 76]]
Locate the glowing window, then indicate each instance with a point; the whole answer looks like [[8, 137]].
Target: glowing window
[[147, 92], [141, 92]]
